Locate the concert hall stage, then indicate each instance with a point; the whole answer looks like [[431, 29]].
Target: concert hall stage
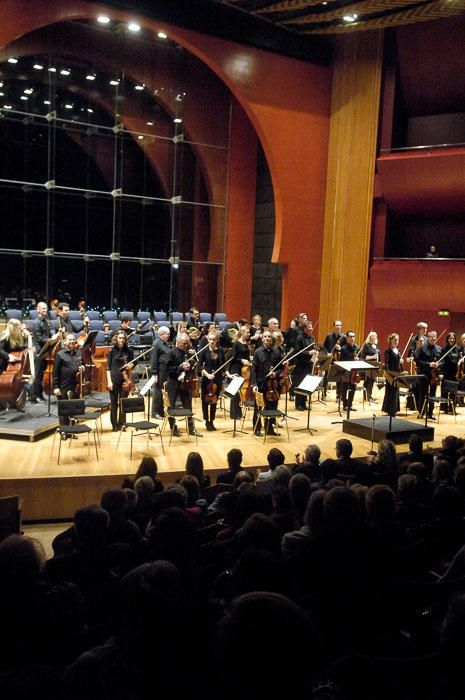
[[380, 428], [53, 492]]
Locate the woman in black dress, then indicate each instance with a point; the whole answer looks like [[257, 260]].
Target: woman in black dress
[[392, 363], [120, 354]]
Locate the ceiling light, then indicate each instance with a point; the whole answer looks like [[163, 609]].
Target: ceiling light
[[52, 69], [140, 137], [162, 35], [177, 120], [134, 27], [47, 102], [1, 83], [90, 110], [38, 66], [12, 60], [23, 97], [103, 19], [139, 87], [90, 76], [150, 123], [350, 18], [114, 82], [28, 91], [2, 94], [65, 71], [7, 107], [68, 106]]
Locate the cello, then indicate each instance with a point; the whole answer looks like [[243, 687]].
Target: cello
[[12, 379]]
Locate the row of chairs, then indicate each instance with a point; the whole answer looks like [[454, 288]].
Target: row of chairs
[[109, 316]]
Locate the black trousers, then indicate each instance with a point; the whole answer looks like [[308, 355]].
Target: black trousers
[[209, 409], [175, 390], [117, 417]]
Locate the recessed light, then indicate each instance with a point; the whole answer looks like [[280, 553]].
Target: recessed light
[[114, 82], [134, 27], [68, 106], [140, 137], [162, 35], [38, 66], [28, 91], [2, 94], [177, 120], [7, 107], [90, 110], [90, 76], [65, 71], [103, 19], [23, 97], [47, 102], [52, 69], [139, 87], [12, 60], [150, 123], [350, 18]]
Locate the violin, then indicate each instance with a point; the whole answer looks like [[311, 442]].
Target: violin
[[284, 379], [272, 389], [128, 385], [459, 375]]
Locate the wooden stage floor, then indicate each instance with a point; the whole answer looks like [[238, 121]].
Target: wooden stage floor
[[52, 491]]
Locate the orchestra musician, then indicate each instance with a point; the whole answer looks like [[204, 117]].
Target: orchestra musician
[[160, 354], [426, 358], [125, 326], [449, 365], [121, 354], [180, 375], [460, 369], [264, 359], [303, 361], [212, 359], [333, 344], [393, 363], [66, 367], [419, 339], [12, 339], [40, 330], [371, 352], [348, 352], [240, 365]]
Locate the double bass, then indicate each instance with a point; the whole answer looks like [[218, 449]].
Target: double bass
[[13, 379]]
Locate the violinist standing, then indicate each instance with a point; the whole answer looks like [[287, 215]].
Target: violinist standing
[[333, 344], [427, 357], [180, 373], [393, 362], [66, 366], [40, 330], [160, 353], [371, 352], [241, 366], [212, 359], [449, 365], [348, 353], [120, 354], [264, 359], [305, 345]]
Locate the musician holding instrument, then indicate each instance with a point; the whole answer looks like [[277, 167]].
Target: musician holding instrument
[[448, 361], [333, 344], [120, 356], [160, 354], [12, 340], [256, 330], [67, 367], [427, 358], [212, 360], [371, 352], [347, 353], [393, 362], [181, 375], [303, 361], [241, 365], [40, 330], [265, 380]]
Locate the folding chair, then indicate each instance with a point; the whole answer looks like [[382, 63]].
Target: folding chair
[[267, 413], [141, 427], [72, 409], [177, 414]]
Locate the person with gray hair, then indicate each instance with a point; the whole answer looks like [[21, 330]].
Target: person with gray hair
[[160, 355]]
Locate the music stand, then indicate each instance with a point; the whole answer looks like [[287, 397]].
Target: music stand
[[308, 386], [89, 344], [230, 391], [345, 368], [146, 390], [46, 352]]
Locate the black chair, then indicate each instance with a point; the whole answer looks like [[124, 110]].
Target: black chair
[[141, 427], [177, 414], [71, 409], [449, 400], [267, 413]]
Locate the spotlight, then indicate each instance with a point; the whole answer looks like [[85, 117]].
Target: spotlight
[[177, 120], [114, 82], [134, 27], [162, 35], [28, 91], [65, 71], [52, 69], [90, 76], [139, 87], [103, 19], [12, 60], [38, 66]]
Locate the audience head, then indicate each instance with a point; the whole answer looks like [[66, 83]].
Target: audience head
[[380, 505], [194, 466], [314, 513], [275, 457], [415, 443], [300, 488], [343, 448], [260, 532], [234, 458], [312, 454], [191, 484], [282, 475], [342, 510], [242, 477], [144, 487], [91, 526], [147, 467], [114, 501], [21, 562], [407, 488]]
